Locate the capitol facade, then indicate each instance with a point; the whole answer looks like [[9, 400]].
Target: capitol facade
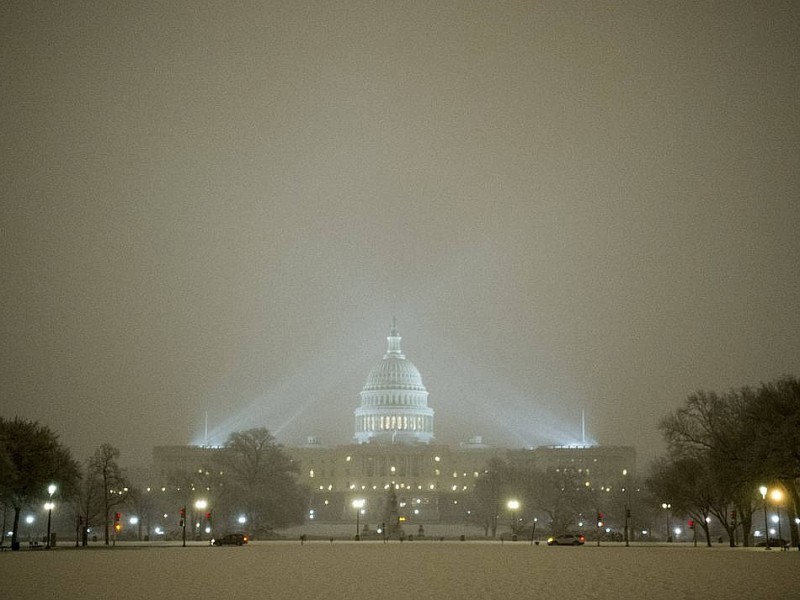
[[394, 449]]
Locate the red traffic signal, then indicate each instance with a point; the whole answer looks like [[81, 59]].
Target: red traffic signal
[[208, 517], [117, 517], [691, 523]]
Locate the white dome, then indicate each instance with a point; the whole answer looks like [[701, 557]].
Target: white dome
[[394, 373], [394, 402]]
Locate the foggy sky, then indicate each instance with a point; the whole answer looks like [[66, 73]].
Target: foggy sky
[[567, 206]]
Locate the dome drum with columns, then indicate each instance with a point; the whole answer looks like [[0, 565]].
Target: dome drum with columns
[[394, 402]]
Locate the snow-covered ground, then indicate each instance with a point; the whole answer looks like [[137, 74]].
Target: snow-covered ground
[[418, 569]]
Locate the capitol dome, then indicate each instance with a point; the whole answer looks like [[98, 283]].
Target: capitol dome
[[394, 402]]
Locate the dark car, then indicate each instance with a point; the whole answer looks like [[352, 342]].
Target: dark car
[[231, 539], [775, 543], [566, 539]]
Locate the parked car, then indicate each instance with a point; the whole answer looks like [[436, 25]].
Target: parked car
[[231, 539], [566, 539], [775, 543]]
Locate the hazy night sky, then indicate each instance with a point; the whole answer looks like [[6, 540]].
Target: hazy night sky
[[566, 205]]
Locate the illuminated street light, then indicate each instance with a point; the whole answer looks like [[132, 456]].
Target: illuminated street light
[[358, 504], [763, 490], [777, 497], [201, 505], [51, 489], [667, 506], [513, 506]]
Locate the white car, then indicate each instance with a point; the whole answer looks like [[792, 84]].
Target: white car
[[566, 539]]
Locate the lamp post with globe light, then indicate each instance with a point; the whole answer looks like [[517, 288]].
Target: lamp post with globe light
[[667, 506], [51, 489], [777, 496], [358, 504], [513, 506], [201, 505], [29, 520], [763, 490]]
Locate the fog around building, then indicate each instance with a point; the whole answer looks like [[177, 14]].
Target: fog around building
[[569, 208]]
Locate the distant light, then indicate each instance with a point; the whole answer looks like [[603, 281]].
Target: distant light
[[677, 531], [159, 531], [51, 489], [134, 520], [358, 503], [201, 504], [242, 519], [29, 519], [775, 518], [49, 506], [208, 529]]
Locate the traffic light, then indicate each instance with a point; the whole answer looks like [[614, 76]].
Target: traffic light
[[627, 513], [733, 516], [183, 517], [691, 523], [117, 524], [599, 519], [208, 518]]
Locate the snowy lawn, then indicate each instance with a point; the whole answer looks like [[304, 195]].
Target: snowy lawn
[[419, 569]]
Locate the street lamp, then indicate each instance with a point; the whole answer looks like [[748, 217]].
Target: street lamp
[[200, 505], [777, 497], [667, 506], [513, 506], [29, 520], [358, 504], [51, 489], [763, 490]]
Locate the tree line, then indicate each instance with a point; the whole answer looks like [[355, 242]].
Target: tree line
[[250, 475], [724, 449]]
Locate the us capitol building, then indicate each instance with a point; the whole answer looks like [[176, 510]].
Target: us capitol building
[[394, 446]]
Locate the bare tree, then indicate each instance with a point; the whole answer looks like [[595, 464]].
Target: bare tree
[[31, 459], [774, 449], [262, 481], [113, 485]]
